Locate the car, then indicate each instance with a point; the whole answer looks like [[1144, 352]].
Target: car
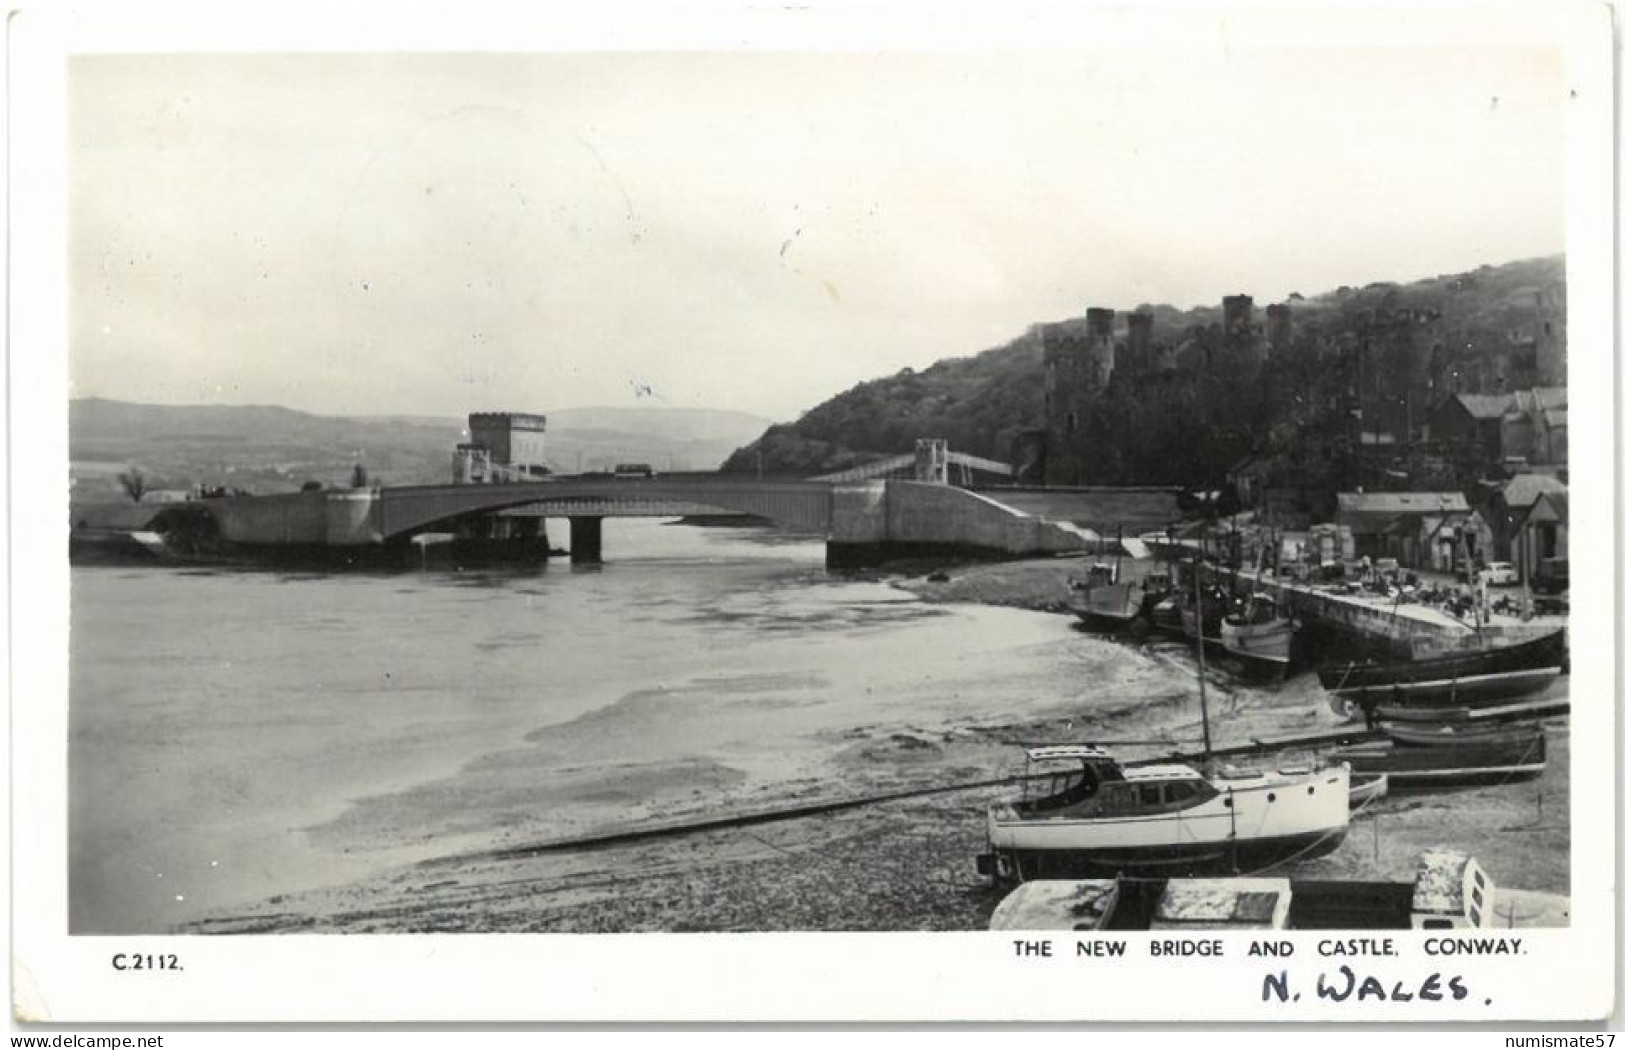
[[1500, 574]]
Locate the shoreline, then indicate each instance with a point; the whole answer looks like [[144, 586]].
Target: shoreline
[[908, 864]]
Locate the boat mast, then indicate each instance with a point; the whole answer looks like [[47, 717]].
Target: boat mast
[[1473, 590], [1201, 664]]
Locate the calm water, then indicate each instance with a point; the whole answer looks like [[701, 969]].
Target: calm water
[[237, 735]]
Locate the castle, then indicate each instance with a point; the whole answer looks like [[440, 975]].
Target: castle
[[1364, 369]]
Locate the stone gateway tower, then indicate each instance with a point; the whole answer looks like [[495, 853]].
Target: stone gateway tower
[[1077, 366], [502, 446]]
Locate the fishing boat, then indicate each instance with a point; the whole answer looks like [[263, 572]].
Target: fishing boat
[[1099, 600], [1082, 811], [1258, 633], [1513, 758], [1467, 678]]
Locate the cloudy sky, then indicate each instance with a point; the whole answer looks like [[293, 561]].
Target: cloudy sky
[[444, 233]]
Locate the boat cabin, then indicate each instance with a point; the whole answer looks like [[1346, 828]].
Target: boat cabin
[[1084, 781], [1258, 608], [1100, 574]]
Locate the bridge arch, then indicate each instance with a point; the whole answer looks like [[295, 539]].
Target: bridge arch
[[802, 505]]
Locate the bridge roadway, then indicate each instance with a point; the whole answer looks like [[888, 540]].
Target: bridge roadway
[[794, 503], [352, 517], [870, 519]]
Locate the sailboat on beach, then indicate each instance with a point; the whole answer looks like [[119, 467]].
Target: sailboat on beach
[[1084, 811]]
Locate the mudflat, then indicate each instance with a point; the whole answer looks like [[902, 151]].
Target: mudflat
[[908, 864]]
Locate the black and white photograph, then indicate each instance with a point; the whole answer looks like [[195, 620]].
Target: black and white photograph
[[1078, 496]]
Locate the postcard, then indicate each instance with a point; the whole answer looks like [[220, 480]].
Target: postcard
[[813, 513]]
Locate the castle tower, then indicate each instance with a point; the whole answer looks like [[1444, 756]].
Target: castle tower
[[1077, 366], [1134, 354], [1100, 349], [1139, 333], [513, 441], [1278, 326], [1551, 335], [1240, 342], [1238, 316]]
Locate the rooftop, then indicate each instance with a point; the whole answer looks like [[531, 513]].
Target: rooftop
[[1558, 501], [1524, 489], [1402, 502], [1485, 406]]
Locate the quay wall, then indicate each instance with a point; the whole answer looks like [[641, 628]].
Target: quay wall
[[1400, 631]]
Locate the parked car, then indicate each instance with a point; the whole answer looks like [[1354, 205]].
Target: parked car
[[1500, 574]]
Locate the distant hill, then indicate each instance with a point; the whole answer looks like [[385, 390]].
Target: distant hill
[[1455, 329], [267, 448]]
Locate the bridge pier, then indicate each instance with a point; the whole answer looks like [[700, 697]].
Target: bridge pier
[[586, 540]]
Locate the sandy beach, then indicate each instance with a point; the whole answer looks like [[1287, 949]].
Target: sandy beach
[[908, 864]]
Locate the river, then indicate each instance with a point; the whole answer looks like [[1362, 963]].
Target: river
[[240, 735]]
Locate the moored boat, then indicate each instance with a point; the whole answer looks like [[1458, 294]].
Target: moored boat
[[1258, 633], [1521, 710], [1516, 757], [1470, 677], [1100, 600], [1084, 812], [1108, 605], [1454, 734]]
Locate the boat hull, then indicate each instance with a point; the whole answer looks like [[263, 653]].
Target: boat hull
[[1172, 859], [1265, 643], [1187, 627], [1486, 713], [1249, 823], [1108, 606], [1452, 734], [1466, 677], [1467, 764], [1501, 685]]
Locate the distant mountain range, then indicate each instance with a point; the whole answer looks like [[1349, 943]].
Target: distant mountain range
[[267, 448]]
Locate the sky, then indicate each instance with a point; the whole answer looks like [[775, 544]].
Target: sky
[[444, 233]]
